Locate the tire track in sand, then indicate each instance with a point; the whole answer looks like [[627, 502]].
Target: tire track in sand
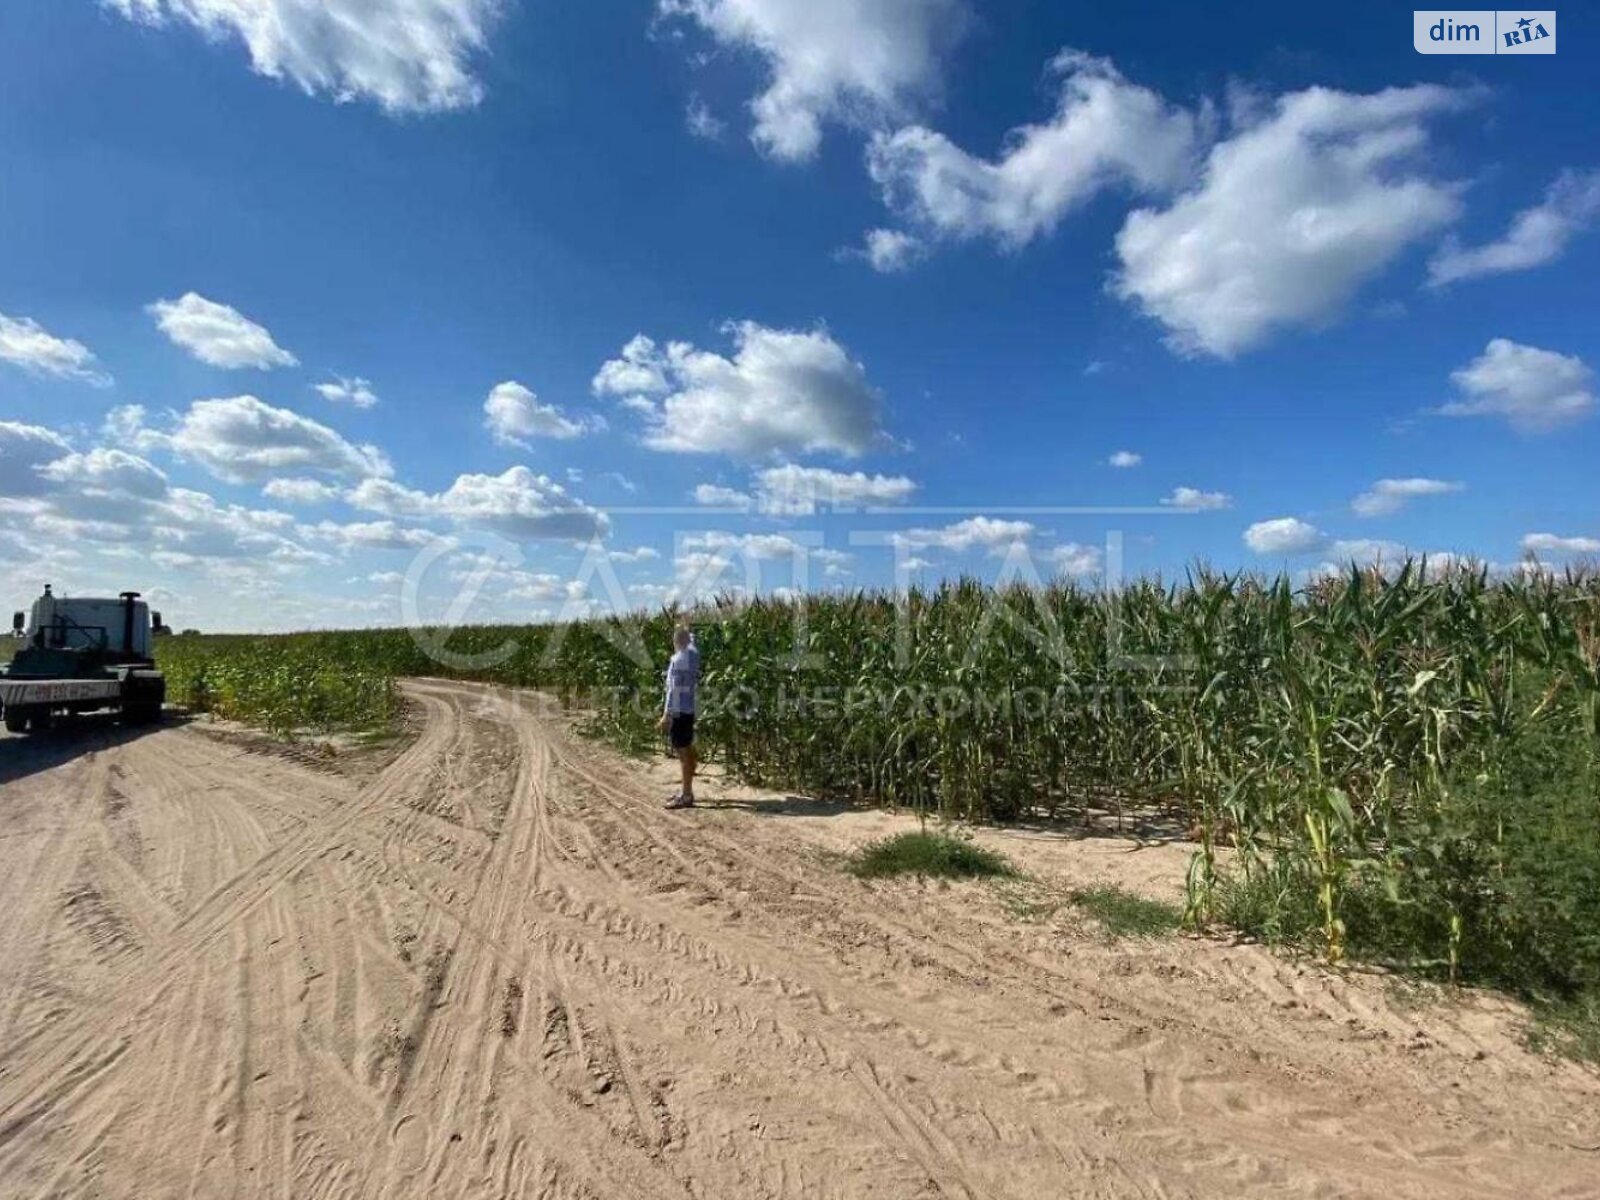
[[62, 1064]]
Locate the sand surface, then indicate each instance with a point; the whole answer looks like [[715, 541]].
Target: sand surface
[[488, 964]]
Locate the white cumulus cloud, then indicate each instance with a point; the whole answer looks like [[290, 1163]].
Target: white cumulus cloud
[[761, 546], [1123, 459], [125, 425], [715, 495], [637, 555], [301, 492], [356, 392], [1291, 537], [27, 344], [982, 533], [108, 470], [116, 502], [1195, 498], [24, 449], [1537, 235], [890, 250], [517, 504], [1284, 535], [1549, 543], [1076, 560], [1389, 496], [1535, 390], [218, 335], [828, 60], [640, 370], [404, 55], [243, 440], [1105, 132], [1366, 552], [782, 392], [796, 490], [513, 414], [371, 535], [1292, 214]]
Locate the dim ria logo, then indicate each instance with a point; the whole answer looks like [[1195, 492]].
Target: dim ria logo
[[1484, 31]]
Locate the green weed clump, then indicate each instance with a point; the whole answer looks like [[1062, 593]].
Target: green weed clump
[[1121, 913], [936, 855], [1497, 883]]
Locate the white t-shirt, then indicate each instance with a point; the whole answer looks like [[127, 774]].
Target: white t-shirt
[[683, 681]]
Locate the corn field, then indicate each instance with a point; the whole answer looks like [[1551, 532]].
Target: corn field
[[1399, 767], [291, 685]]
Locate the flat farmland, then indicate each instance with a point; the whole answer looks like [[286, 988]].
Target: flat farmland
[[486, 963]]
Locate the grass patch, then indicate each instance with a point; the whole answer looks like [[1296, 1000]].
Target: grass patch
[[1569, 1028], [922, 853], [1123, 914]]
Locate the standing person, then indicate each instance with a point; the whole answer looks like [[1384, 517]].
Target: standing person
[[677, 716]]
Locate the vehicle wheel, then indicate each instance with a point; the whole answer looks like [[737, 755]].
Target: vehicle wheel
[[16, 720], [146, 694]]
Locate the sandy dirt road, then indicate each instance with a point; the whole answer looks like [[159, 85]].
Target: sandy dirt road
[[496, 968]]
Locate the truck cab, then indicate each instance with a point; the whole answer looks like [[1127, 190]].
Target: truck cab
[[117, 629]]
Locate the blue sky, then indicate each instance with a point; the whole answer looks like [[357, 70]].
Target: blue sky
[[934, 258]]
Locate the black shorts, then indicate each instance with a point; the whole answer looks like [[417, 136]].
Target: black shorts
[[680, 731]]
